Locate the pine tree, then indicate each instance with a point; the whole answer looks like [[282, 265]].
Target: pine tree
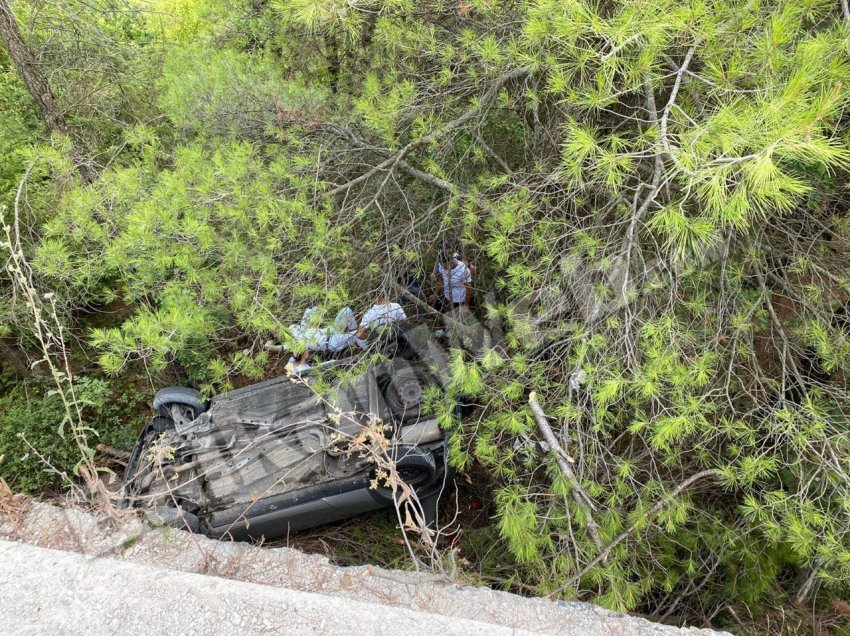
[[652, 192]]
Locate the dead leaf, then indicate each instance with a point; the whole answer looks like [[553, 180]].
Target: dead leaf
[[11, 507]]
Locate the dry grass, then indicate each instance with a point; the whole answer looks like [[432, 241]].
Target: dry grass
[[842, 608], [12, 507]]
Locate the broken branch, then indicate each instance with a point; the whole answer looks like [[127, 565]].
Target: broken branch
[[562, 459]]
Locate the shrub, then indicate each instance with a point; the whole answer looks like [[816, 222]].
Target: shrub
[[33, 445]]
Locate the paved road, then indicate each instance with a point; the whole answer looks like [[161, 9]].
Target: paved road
[[69, 571], [46, 591]]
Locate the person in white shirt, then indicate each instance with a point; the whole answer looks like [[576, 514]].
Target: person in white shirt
[[344, 332], [454, 280], [347, 332], [383, 312], [308, 337]]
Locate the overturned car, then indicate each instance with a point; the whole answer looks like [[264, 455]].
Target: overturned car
[[281, 456]]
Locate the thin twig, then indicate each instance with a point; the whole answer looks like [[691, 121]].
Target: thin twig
[[673, 94]]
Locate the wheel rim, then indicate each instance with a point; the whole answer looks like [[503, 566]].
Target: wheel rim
[[412, 475], [408, 392]]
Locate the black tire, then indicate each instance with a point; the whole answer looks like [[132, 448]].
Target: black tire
[[445, 476], [415, 467], [152, 430], [177, 518], [190, 398]]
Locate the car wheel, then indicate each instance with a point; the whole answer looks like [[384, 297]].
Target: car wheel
[[405, 394], [152, 429], [185, 397], [415, 467], [177, 518]]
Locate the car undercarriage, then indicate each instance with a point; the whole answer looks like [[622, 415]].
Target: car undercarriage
[[296, 452]]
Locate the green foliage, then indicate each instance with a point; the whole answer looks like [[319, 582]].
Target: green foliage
[[652, 191], [20, 128], [518, 524], [36, 453], [192, 248]]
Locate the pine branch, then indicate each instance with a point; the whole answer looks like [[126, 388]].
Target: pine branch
[[673, 94], [404, 166], [783, 336], [393, 160], [658, 505]]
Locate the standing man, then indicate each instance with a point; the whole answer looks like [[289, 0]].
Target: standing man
[[454, 281]]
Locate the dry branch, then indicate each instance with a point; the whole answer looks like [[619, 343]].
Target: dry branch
[[563, 460], [37, 84], [114, 453]]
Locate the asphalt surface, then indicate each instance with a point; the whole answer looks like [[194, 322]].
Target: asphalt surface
[[47, 591], [69, 571]]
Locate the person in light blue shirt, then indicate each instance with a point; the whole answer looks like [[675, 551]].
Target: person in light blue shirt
[[454, 281]]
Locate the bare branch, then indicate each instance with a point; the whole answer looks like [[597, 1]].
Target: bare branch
[[563, 460]]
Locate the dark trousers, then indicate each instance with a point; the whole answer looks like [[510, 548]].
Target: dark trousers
[[443, 304]]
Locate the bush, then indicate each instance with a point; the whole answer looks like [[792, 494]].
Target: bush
[[31, 416]]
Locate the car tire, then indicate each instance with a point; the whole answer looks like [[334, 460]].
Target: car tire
[[184, 396], [154, 427], [405, 394], [415, 467], [177, 518]]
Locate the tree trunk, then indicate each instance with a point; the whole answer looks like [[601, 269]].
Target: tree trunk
[[37, 83]]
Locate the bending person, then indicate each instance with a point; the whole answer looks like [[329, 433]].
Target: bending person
[[382, 312]]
